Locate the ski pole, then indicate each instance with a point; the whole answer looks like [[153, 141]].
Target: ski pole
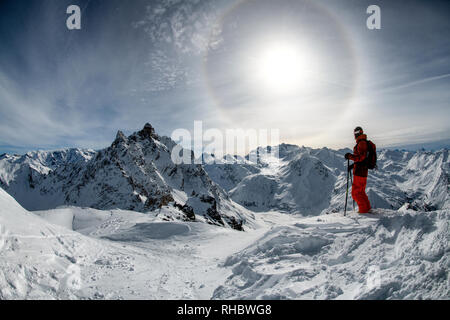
[[353, 200], [346, 193]]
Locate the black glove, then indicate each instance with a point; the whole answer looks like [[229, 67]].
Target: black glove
[[347, 155], [350, 167]]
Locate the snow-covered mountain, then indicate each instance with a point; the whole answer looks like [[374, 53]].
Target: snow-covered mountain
[[20, 174], [310, 181], [134, 173]]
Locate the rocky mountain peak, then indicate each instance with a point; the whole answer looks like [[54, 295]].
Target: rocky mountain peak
[[120, 136], [147, 132]]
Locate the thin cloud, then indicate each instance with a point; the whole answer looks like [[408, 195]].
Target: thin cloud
[[417, 82]]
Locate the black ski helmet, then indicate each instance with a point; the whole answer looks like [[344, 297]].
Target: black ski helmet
[[358, 131]]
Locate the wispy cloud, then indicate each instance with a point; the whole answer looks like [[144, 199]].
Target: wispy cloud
[[180, 32], [417, 82]]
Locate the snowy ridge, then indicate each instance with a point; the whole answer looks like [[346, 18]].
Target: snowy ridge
[[20, 175], [41, 161]]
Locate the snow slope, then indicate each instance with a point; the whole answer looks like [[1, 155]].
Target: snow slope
[[119, 254], [113, 255], [301, 184], [39, 260]]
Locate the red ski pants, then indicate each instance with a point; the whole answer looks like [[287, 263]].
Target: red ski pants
[[359, 194]]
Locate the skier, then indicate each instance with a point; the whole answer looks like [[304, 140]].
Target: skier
[[360, 170]]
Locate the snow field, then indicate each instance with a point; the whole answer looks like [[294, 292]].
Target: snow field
[[112, 254], [121, 254]]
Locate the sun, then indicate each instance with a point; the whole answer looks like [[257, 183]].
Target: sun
[[284, 68]]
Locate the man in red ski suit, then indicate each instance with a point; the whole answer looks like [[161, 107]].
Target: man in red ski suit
[[360, 171]]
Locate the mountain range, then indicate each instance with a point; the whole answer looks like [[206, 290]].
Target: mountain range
[[136, 173]]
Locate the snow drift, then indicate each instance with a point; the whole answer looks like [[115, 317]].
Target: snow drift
[[393, 255]]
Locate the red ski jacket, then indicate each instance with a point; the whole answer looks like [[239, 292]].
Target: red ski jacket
[[359, 155]]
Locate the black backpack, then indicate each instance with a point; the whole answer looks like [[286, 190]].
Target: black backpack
[[371, 159]]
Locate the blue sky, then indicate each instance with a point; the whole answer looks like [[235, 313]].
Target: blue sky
[[173, 62]]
